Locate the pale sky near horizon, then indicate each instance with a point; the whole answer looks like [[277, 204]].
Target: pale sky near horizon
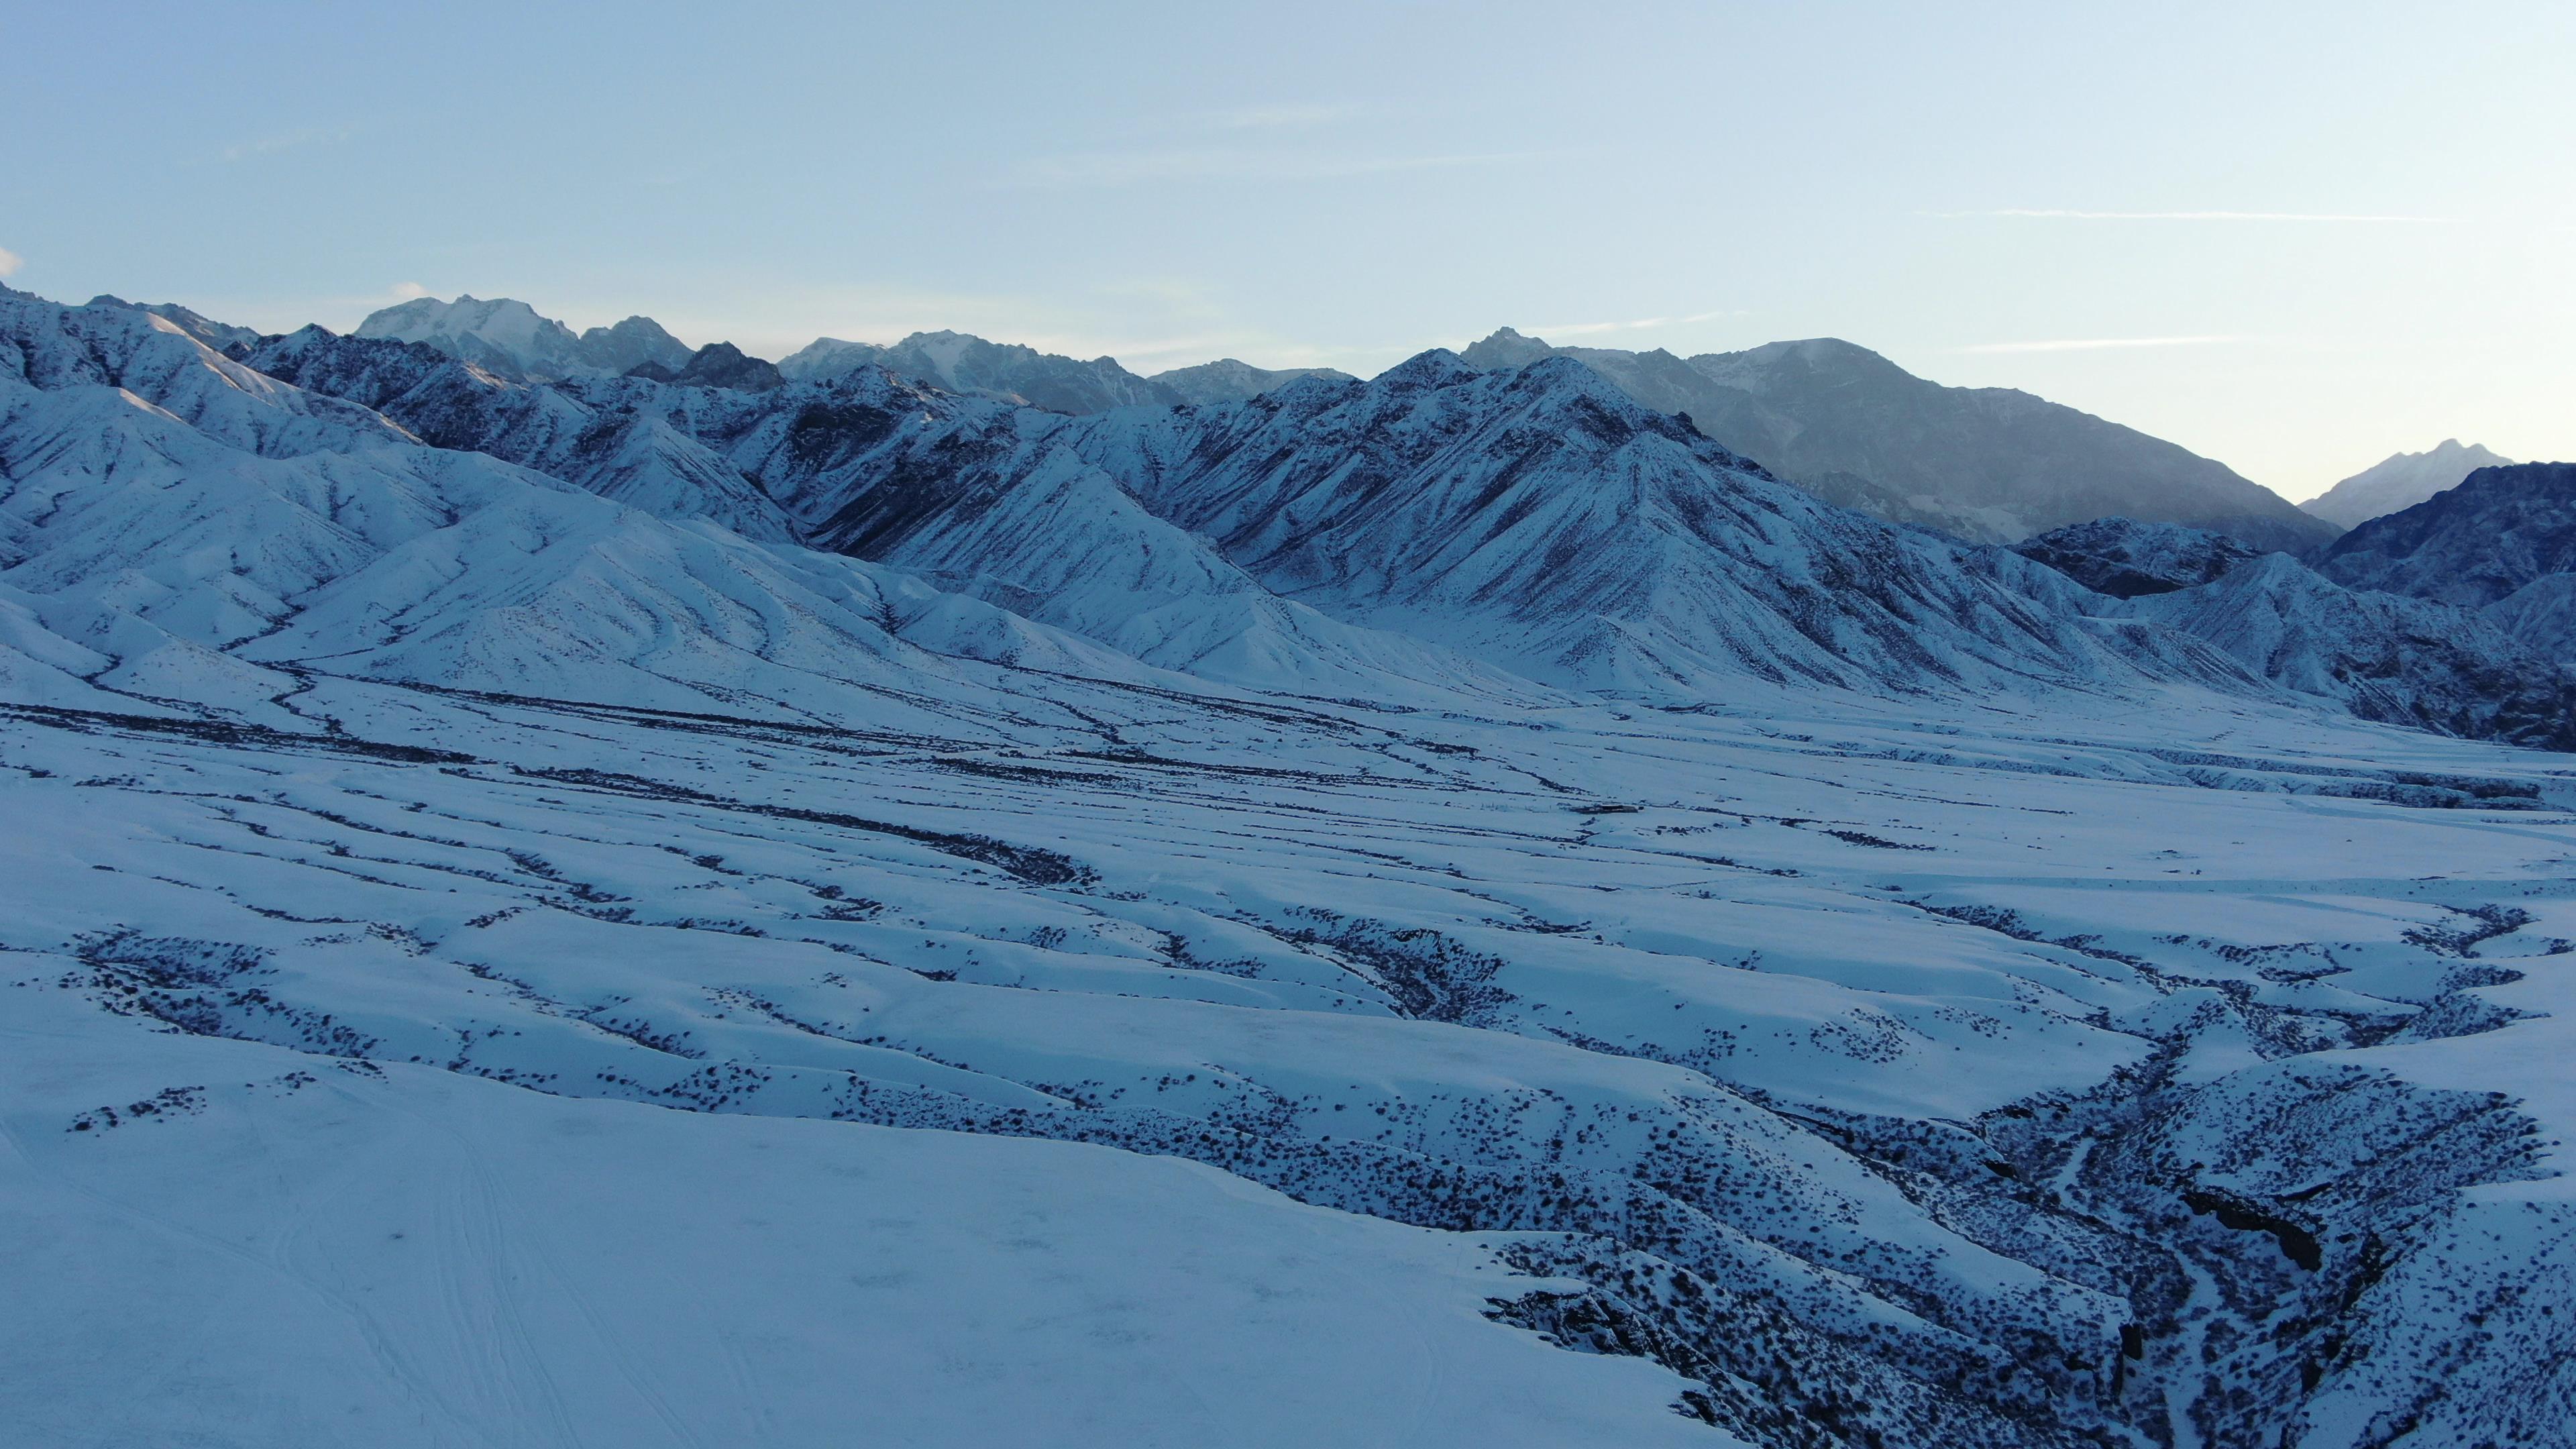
[[2294, 237]]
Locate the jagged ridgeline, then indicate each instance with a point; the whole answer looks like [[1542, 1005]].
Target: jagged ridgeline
[[596, 905], [1990, 464], [1449, 522]]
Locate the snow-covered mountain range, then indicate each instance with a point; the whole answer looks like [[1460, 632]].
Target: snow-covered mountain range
[[1451, 909], [1230, 380], [960, 363], [1450, 518], [1987, 464], [2400, 481], [2385, 656]]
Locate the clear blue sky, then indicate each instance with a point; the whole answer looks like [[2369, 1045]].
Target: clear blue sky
[[2092, 202]]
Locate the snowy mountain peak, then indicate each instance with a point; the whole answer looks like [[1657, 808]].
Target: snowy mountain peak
[[632, 343], [217, 335], [2399, 482], [1437, 368], [503, 335], [1506, 347], [504, 321], [718, 364], [1772, 365], [826, 358], [510, 339], [961, 362], [1230, 379]]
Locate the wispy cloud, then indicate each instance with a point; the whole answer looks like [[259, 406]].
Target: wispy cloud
[[1583, 329], [1221, 163], [405, 291], [10, 262], [2096, 344], [2067, 215]]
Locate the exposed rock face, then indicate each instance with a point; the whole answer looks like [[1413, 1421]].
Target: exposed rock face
[[718, 364], [2124, 558], [2399, 482], [1994, 464]]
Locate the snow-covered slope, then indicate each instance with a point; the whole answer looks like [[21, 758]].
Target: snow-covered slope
[[618, 453], [1433, 504], [2001, 463], [2400, 481], [217, 335], [2405, 661], [449, 1261], [2382, 656], [2541, 614], [1802, 1067]]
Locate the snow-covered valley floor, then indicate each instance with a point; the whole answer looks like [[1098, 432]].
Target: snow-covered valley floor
[[438, 1068]]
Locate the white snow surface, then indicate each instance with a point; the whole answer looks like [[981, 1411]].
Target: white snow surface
[[482, 963], [444, 1260]]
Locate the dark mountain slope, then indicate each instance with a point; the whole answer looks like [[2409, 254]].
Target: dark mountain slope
[[1993, 464], [2474, 545]]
